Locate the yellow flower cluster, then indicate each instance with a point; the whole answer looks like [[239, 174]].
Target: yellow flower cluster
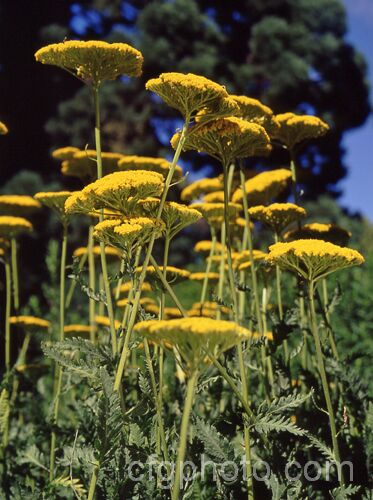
[[13, 204], [77, 330], [200, 187], [318, 231], [174, 274], [93, 61], [188, 93], [194, 338], [144, 302], [207, 309], [30, 323], [204, 246], [3, 129], [96, 250], [212, 277], [105, 322], [252, 110], [64, 153], [172, 313], [11, 227], [55, 200], [127, 287], [117, 191], [245, 257], [159, 165], [277, 215], [213, 210], [313, 259], [226, 139], [83, 164], [262, 188], [295, 129], [216, 197]]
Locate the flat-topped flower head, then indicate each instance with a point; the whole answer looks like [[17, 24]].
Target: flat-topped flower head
[[207, 309], [219, 109], [264, 187], [245, 256], [277, 215], [30, 324], [197, 188], [55, 201], [159, 165], [104, 321], [77, 330], [14, 204], [216, 197], [212, 210], [200, 277], [188, 93], [195, 339], [144, 302], [128, 286], [226, 139], [119, 191], [313, 259], [295, 129], [128, 233], [11, 227], [3, 129], [318, 231], [174, 275], [175, 216], [83, 164], [252, 110], [205, 246], [110, 252], [93, 61], [64, 153], [172, 313]]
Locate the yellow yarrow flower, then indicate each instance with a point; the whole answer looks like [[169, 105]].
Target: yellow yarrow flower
[[313, 259], [277, 215], [174, 275], [200, 276], [119, 191], [188, 93], [252, 110], [207, 309], [216, 197], [83, 164], [128, 286], [202, 186], [11, 227], [172, 313], [93, 61], [55, 201], [194, 338], [226, 139], [30, 324], [295, 129], [204, 246], [245, 256], [3, 129], [144, 302], [13, 204], [211, 210], [64, 153], [318, 231], [159, 165], [110, 252], [105, 322], [74, 330], [262, 188]]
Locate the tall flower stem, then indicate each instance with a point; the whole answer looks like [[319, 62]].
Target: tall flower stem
[[279, 303], [58, 369], [120, 281], [329, 330], [92, 285], [191, 386], [321, 367], [109, 303], [132, 318], [8, 305], [208, 267], [13, 248], [73, 283], [221, 268]]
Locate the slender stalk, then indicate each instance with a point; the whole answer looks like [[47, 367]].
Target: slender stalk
[[120, 281], [321, 367], [279, 304], [93, 482], [109, 303], [191, 385], [8, 304], [208, 267], [293, 169], [92, 285], [13, 245], [132, 318], [73, 283], [221, 268], [329, 330]]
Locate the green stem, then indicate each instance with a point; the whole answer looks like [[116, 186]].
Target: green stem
[[8, 285], [329, 330], [132, 318], [208, 267], [13, 244], [120, 281], [221, 269], [93, 482], [279, 304], [70, 293], [321, 367], [192, 382], [293, 169], [92, 285]]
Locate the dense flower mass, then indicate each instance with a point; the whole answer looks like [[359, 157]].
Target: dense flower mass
[[76, 330], [277, 215], [55, 200], [211, 276], [64, 153], [110, 252], [213, 210], [3, 129], [194, 190], [194, 338], [313, 259], [105, 322], [295, 129], [30, 323], [83, 164], [159, 165], [252, 110], [262, 188], [93, 61], [188, 93], [174, 274], [318, 231], [226, 139], [128, 286], [12, 204], [205, 246], [11, 227]]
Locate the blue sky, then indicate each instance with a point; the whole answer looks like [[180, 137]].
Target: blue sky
[[358, 186]]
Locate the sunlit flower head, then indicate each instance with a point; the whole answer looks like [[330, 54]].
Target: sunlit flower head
[[200, 276], [174, 275], [104, 321], [277, 215], [93, 61], [55, 201], [318, 231], [295, 129], [252, 110], [212, 210], [172, 313], [245, 256], [77, 330], [144, 302], [197, 188], [30, 324], [313, 259], [264, 187], [194, 338], [205, 246], [215, 197], [159, 165], [3, 129], [83, 164], [11, 227], [207, 309], [12, 204], [64, 153], [119, 191], [226, 139], [188, 93], [110, 252], [128, 286]]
